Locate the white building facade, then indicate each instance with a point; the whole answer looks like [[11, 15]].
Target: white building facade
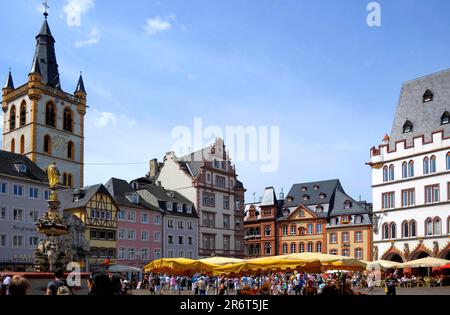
[[411, 175]]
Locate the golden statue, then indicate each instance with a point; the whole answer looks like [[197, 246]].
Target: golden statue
[[53, 175]]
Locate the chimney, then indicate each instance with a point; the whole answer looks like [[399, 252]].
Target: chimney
[[154, 168]]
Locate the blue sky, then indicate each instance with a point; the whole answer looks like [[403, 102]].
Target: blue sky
[[313, 67]]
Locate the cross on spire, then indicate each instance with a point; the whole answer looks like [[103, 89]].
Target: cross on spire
[[46, 7]]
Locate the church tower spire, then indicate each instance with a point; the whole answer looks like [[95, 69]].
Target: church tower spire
[[9, 85], [45, 56]]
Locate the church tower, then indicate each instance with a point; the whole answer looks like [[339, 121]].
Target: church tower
[[43, 122]]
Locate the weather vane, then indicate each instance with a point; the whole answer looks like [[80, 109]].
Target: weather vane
[[46, 7]]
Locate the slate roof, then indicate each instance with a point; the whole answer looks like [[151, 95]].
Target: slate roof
[[9, 84], [326, 187], [45, 55], [162, 195], [80, 86], [338, 202], [68, 201], [7, 167], [119, 189], [425, 117]]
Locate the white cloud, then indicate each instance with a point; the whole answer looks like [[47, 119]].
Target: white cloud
[[93, 38], [157, 24], [73, 9], [103, 120]]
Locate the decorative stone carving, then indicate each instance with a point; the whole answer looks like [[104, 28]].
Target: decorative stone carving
[[406, 250], [375, 252], [435, 249]]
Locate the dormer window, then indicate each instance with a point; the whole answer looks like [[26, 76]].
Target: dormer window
[[445, 119], [305, 197], [169, 206], [407, 127], [304, 188], [21, 168], [189, 209], [290, 198], [135, 198], [347, 205], [179, 207], [322, 196], [316, 187], [428, 96], [319, 209]]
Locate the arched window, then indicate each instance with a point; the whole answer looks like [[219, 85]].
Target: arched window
[[301, 247], [393, 231], [385, 174], [433, 164], [65, 179], [70, 180], [385, 231], [391, 173], [22, 144], [437, 226], [23, 114], [68, 120], [405, 229], [445, 119], [448, 161], [411, 168], [268, 231], [408, 127], [285, 248], [268, 248], [70, 151], [405, 170], [48, 144], [50, 115], [12, 118], [319, 247], [426, 166], [413, 228], [13, 146], [293, 248], [429, 227]]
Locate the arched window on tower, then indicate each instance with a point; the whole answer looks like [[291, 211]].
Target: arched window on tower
[[12, 118], [22, 144], [23, 114], [391, 173], [433, 164], [448, 161], [68, 120], [50, 115], [70, 151], [65, 179], [70, 180], [426, 166], [413, 228], [429, 227], [48, 144], [405, 229], [385, 174], [393, 231], [385, 231], [404, 170], [13, 146], [411, 168], [437, 226]]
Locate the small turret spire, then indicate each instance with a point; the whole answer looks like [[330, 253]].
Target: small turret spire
[[80, 86], [35, 68], [9, 85]]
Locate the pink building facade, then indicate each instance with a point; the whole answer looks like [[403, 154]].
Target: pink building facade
[[139, 226]]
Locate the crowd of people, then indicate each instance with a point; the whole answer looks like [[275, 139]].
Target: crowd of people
[[335, 283], [271, 284]]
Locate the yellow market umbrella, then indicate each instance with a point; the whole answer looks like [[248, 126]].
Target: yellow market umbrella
[[174, 266], [268, 264], [427, 262], [210, 264], [329, 262], [383, 264]]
